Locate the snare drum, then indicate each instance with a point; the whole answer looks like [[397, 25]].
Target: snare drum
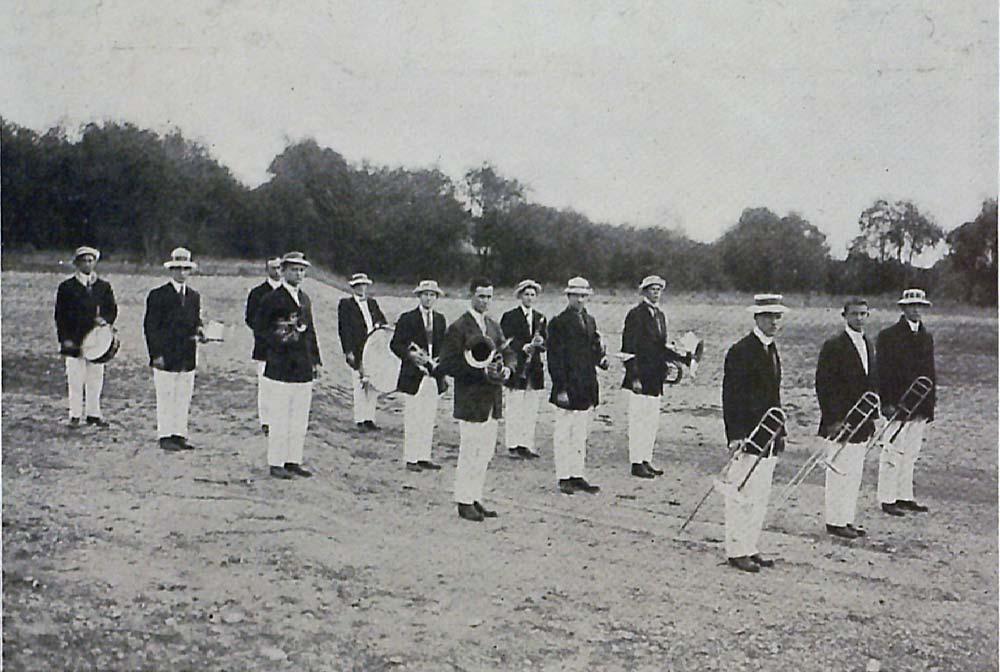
[[100, 344], [379, 365]]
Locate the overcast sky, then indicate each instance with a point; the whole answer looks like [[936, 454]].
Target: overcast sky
[[672, 113]]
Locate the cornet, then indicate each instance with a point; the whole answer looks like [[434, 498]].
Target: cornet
[[534, 346], [483, 354], [427, 363], [290, 330]]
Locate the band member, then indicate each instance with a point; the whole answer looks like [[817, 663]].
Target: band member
[[173, 330], [844, 372], [905, 352], [417, 341], [83, 302], [526, 327], [574, 351], [358, 316], [259, 355], [285, 323], [478, 395], [751, 384], [645, 337]]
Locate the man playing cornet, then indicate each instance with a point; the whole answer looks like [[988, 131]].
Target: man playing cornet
[[526, 327], [479, 377], [417, 341]]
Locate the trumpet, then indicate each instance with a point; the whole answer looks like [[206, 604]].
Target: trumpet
[[533, 347], [423, 361], [290, 330], [483, 354]]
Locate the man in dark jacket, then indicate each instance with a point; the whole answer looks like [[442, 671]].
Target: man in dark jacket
[[845, 371], [575, 350], [478, 394], [751, 385], [83, 302], [526, 327], [644, 336], [357, 316], [905, 352], [417, 341], [173, 329], [259, 354], [285, 323]]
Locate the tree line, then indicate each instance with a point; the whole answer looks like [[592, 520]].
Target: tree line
[[136, 193]]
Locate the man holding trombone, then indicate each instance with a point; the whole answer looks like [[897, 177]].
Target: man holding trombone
[[845, 371]]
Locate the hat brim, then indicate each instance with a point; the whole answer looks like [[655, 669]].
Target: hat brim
[[359, 282], [180, 264], [580, 292], [528, 285], [296, 262], [914, 302], [661, 285], [776, 309], [421, 290], [95, 255]]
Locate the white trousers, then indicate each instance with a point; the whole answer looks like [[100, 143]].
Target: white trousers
[[842, 489], [419, 414], [85, 379], [643, 423], [477, 443], [364, 400], [520, 417], [288, 405], [569, 441], [173, 401], [261, 395], [745, 514], [895, 464]]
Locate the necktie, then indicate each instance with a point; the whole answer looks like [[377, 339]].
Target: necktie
[[772, 350], [183, 295]]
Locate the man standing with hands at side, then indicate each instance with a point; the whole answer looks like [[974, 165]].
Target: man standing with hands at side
[[259, 355]]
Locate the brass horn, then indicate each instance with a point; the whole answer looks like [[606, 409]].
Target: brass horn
[[482, 353]]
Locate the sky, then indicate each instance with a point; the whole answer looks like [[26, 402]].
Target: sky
[[673, 113]]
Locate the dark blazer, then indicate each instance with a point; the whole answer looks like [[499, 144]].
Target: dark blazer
[[171, 328], [410, 329], [77, 308], [575, 350], [475, 396], [292, 360], [840, 382], [515, 327], [257, 295], [646, 337], [351, 325], [902, 357], [750, 386]]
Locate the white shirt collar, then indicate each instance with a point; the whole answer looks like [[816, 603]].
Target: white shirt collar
[[649, 303], [480, 319], [178, 286], [274, 283], [85, 279], [914, 326], [294, 291], [526, 310], [766, 340], [856, 336]]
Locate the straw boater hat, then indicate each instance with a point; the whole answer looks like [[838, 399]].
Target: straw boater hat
[[767, 304], [525, 284], [428, 286], [180, 258], [80, 251], [294, 258], [359, 279], [651, 280], [913, 296], [578, 285]]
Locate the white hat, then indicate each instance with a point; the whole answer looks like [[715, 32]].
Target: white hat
[[359, 279], [578, 285], [525, 284], [914, 296], [294, 258], [767, 304], [80, 251], [651, 280], [180, 258], [428, 286]]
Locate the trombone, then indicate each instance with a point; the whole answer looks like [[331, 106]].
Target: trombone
[[859, 414], [908, 403], [760, 439]]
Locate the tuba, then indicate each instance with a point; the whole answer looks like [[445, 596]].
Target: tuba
[[482, 353]]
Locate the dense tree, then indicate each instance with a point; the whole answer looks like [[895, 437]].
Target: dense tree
[[491, 198], [895, 231], [973, 254]]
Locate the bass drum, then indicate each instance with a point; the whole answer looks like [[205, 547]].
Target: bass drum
[[379, 364], [100, 344]]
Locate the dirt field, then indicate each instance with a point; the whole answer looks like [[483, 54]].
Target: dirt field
[[118, 556]]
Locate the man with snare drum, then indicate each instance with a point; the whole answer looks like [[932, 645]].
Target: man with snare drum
[[83, 302], [357, 316]]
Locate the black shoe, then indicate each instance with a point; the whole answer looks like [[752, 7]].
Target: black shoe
[[860, 531], [483, 511], [893, 509], [581, 484], [656, 472], [297, 469], [841, 531], [470, 512], [911, 505], [74, 423], [640, 470], [372, 427], [516, 453], [170, 444], [265, 430], [566, 486], [280, 472], [430, 466], [97, 422], [760, 561], [362, 426], [183, 442], [528, 453], [413, 466], [744, 563]]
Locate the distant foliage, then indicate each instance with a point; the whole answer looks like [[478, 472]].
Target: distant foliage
[[973, 256]]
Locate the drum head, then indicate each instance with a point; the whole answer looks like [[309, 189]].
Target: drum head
[[98, 343], [379, 363]]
